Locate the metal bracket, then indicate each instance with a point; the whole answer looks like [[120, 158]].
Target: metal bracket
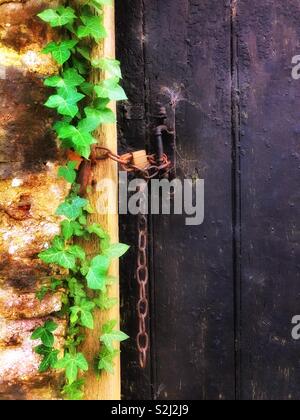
[[163, 139]]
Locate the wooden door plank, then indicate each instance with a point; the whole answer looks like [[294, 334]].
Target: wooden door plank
[[136, 383], [188, 46], [269, 35]]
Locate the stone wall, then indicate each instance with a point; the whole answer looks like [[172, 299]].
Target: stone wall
[[29, 195]]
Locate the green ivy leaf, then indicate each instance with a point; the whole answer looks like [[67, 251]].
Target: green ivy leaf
[[69, 80], [78, 230], [105, 243], [106, 364], [82, 220], [67, 229], [72, 363], [62, 105], [53, 81], [85, 309], [74, 310], [74, 391], [96, 277], [116, 250], [93, 27], [50, 326], [81, 137], [82, 144], [68, 172], [111, 89], [109, 326], [65, 130], [106, 360], [58, 243], [74, 338], [87, 88], [45, 333], [58, 17], [72, 78], [76, 290], [66, 104], [77, 251], [60, 51], [104, 302], [103, 116], [42, 292], [86, 317], [101, 103], [72, 208], [50, 357], [58, 125], [110, 335], [61, 255], [89, 209], [97, 230], [81, 67], [87, 125], [85, 52], [55, 284], [48, 15], [71, 228], [84, 269], [61, 258], [49, 361], [110, 65]]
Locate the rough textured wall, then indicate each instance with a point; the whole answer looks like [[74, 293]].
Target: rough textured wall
[[29, 195]]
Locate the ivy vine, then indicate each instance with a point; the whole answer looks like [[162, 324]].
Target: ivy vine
[[82, 107]]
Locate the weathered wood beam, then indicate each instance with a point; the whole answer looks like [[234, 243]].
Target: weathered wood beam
[[107, 386]]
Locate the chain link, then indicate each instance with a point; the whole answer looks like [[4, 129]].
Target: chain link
[[125, 161], [142, 275], [156, 168]]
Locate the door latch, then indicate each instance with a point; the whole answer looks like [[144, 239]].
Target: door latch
[[163, 141]]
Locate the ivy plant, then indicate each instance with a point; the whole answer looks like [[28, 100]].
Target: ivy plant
[[81, 107]]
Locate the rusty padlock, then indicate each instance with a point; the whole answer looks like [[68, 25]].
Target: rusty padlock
[[140, 160]]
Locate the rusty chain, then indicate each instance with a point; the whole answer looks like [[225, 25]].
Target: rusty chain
[[142, 274], [126, 162], [155, 167]]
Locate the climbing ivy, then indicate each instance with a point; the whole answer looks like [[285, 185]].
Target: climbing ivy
[[82, 107]]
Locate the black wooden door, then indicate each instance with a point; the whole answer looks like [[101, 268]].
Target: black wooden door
[[222, 294]]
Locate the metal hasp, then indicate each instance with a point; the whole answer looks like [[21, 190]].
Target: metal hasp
[[164, 141]]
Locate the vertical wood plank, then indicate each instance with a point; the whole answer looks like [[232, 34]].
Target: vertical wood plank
[[136, 383], [107, 386], [269, 36], [187, 44]]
